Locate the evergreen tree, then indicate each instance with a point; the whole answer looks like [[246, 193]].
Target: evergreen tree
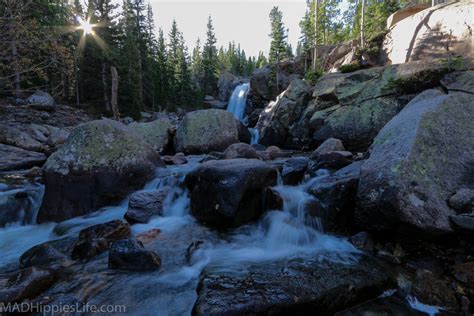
[[278, 47], [210, 61]]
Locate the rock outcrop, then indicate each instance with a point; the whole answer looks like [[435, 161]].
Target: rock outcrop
[[229, 193], [436, 32], [418, 161], [100, 163], [203, 131], [14, 158]]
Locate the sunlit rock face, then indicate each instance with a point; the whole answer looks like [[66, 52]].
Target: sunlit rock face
[[437, 32]]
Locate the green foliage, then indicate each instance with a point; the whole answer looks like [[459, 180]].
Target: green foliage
[[349, 67], [452, 63], [210, 61], [312, 75], [413, 84]]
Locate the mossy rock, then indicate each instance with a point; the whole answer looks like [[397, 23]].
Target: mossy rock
[[155, 133], [204, 131], [100, 163], [418, 160]]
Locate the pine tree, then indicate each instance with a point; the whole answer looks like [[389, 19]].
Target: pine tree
[[278, 47], [162, 73], [210, 62]]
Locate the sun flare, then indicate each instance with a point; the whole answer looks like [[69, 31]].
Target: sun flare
[[86, 26]]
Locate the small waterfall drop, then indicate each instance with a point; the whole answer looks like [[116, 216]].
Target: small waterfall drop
[[238, 101]]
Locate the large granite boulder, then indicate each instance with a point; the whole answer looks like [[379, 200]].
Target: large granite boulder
[[155, 133], [229, 193], [436, 32], [203, 131], [101, 162], [418, 161], [301, 286]]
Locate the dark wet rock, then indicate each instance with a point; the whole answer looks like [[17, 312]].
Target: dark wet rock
[[96, 239], [363, 241], [464, 272], [130, 254], [144, 205], [204, 131], [335, 197], [432, 290], [14, 158], [155, 133], [25, 284], [43, 255], [100, 163], [240, 150], [178, 159], [331, 144], [334, 159], [396, 304], [35, 172], [295, 286], [419, 158], [463, 201], [273, 200], [213, 103], [244, 133], [42, 101], [89, 248], [229, 193], [463, 223], [259, 147], [293, 170], [113, 230]]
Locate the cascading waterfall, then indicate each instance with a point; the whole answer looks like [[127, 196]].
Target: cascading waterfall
[[237, 106], [238, 101]]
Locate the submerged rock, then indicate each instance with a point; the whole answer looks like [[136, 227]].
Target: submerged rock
[[203, 131], [229, 193], [130, 254], [144, 205], [417, 161], [100, 163], [294, 286]]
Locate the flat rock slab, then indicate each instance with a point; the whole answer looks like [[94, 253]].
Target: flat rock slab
[[14, 158], [296, 286]]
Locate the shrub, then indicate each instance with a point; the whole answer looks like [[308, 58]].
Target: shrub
[[312, 75], [349, 67]]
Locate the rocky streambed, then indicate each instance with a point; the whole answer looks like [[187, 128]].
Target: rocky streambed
[[179, 216]]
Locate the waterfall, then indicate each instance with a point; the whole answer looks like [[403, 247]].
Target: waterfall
[[238, 101], [237, 106]]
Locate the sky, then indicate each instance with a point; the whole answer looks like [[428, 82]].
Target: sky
[[243, 21]]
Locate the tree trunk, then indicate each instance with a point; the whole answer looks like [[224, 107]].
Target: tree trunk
[[362, 16], [104, 87], [115, 82], [315, 53]]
